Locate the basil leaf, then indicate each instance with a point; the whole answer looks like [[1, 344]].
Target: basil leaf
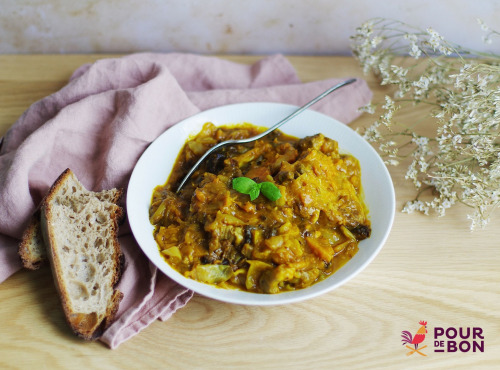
[[270, 191], [254, 193], [244, 185]]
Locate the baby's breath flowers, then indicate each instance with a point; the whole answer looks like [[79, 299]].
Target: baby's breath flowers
[[460, 161]]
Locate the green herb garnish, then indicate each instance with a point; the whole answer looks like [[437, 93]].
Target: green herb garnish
[[246, 185]]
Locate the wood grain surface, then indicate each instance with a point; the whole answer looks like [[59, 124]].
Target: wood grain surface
[[431, 269]]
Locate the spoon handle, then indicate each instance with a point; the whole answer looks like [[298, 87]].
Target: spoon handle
[[297, 112]]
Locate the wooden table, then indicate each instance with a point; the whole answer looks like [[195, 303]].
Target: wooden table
[[431, 269]]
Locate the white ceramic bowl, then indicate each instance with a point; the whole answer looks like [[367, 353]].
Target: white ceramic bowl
[[155, 165]]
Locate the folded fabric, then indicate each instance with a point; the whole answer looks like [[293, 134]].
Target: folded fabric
[[100, 123]]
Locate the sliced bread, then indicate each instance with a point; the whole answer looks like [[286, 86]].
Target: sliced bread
[[80, 233], [32, 248]]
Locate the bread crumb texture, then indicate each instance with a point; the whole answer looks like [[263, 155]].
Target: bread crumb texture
[[85, 253]]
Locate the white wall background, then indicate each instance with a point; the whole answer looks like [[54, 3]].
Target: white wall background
[[320, 27]]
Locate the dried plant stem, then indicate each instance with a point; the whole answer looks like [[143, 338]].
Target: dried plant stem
[[461, 162]]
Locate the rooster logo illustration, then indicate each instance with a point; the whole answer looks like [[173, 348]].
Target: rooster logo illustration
[[415, 340]]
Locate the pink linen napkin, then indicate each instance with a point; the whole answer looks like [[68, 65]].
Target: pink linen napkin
[[100, 123]]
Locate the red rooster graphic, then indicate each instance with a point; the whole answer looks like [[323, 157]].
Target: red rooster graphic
[[415, 340]]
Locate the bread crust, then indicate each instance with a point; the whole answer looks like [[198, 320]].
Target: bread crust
[[32, 248], [89, 326]]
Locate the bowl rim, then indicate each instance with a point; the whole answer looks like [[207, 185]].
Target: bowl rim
[[191, 126]]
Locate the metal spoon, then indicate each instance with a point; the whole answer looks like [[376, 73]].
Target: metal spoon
[[261, 135]]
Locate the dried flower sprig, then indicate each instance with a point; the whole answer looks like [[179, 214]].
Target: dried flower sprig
[[460, 162]]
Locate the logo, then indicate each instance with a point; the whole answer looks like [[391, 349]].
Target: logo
[[451, 339], [413, 342]]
